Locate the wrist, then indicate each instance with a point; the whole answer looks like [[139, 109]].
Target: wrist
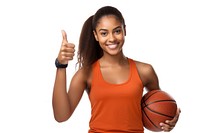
[[59, 65]]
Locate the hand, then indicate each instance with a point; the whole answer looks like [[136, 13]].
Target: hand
[[66, 51], [170, 124]]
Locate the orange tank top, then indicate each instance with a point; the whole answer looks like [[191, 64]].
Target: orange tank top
[[116, 107]]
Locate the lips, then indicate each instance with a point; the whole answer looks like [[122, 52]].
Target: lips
[[112, 46]]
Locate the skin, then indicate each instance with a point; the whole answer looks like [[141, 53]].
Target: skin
[[110, 34]]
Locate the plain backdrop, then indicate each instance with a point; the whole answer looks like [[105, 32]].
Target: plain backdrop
[[165, 34]]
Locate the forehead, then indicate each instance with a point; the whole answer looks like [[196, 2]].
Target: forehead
[[108, 21]]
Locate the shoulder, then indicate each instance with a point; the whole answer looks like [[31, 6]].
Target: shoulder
[[144, 68], [83, 75], [147, 74]]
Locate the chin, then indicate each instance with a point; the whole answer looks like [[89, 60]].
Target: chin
[[114, 52]]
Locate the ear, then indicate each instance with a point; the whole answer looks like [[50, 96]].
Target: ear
[[95, 35]]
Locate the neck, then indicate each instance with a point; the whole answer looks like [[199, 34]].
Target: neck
[[115, 60]]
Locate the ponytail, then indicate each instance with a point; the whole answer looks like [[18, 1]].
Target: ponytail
[[89, 50]]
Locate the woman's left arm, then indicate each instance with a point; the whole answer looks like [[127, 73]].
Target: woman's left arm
[[150, 82]]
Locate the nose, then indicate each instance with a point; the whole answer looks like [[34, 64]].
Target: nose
[[111, 37]]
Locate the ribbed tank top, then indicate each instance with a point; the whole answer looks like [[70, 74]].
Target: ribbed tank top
[[116, 107]]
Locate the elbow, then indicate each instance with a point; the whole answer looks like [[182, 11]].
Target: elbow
[[61, 114], [61, 119]]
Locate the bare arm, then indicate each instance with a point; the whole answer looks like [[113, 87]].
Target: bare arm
[[64, 103], [150, 81], [61, 104], [148, 76]]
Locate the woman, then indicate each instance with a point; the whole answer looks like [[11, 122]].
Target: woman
[[113, 81]]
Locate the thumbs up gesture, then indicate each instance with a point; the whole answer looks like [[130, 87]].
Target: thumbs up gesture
[[67, 50]]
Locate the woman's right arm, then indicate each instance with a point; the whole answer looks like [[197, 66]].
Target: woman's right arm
[[64, 102], [60, 101]]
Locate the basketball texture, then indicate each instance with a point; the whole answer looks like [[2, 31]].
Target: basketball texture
[[157, 106]]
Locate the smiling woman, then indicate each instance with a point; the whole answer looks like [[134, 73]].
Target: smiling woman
[[162, 33], [113, 81], [111, 38]]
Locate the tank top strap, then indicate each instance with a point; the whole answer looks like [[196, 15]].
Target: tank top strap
[[95, 72], [134, 71]]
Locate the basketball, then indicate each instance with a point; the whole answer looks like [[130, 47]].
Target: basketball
[[157, 106]]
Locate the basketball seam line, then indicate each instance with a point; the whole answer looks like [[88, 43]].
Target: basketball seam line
[[150, 96], [150, 120], [143, 101], [159, 112], [157, 101]]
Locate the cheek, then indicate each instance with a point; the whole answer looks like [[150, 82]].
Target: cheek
[[101, 43], [121, 39], [102, 40]]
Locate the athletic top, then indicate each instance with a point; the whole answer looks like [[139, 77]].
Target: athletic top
[[116, 108]]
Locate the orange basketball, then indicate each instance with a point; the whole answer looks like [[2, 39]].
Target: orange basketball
[[157, 106]]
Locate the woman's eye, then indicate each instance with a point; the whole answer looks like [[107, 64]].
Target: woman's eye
[[118, 31], [103, 33]]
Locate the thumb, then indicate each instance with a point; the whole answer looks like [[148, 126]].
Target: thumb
[[64, 35]]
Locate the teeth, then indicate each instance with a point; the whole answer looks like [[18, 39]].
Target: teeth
[[112, 46]]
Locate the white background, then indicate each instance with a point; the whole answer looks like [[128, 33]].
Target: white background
[[165, 34]]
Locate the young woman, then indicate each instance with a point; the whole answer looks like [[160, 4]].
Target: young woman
[[113, 81]]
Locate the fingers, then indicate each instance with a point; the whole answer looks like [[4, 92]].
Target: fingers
[[66, 51], [178, 111], [166, 127], [65, 41], [175, 119], [64, 35], [170, 124]]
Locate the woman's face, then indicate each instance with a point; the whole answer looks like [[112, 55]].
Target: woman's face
[[110, 34]]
